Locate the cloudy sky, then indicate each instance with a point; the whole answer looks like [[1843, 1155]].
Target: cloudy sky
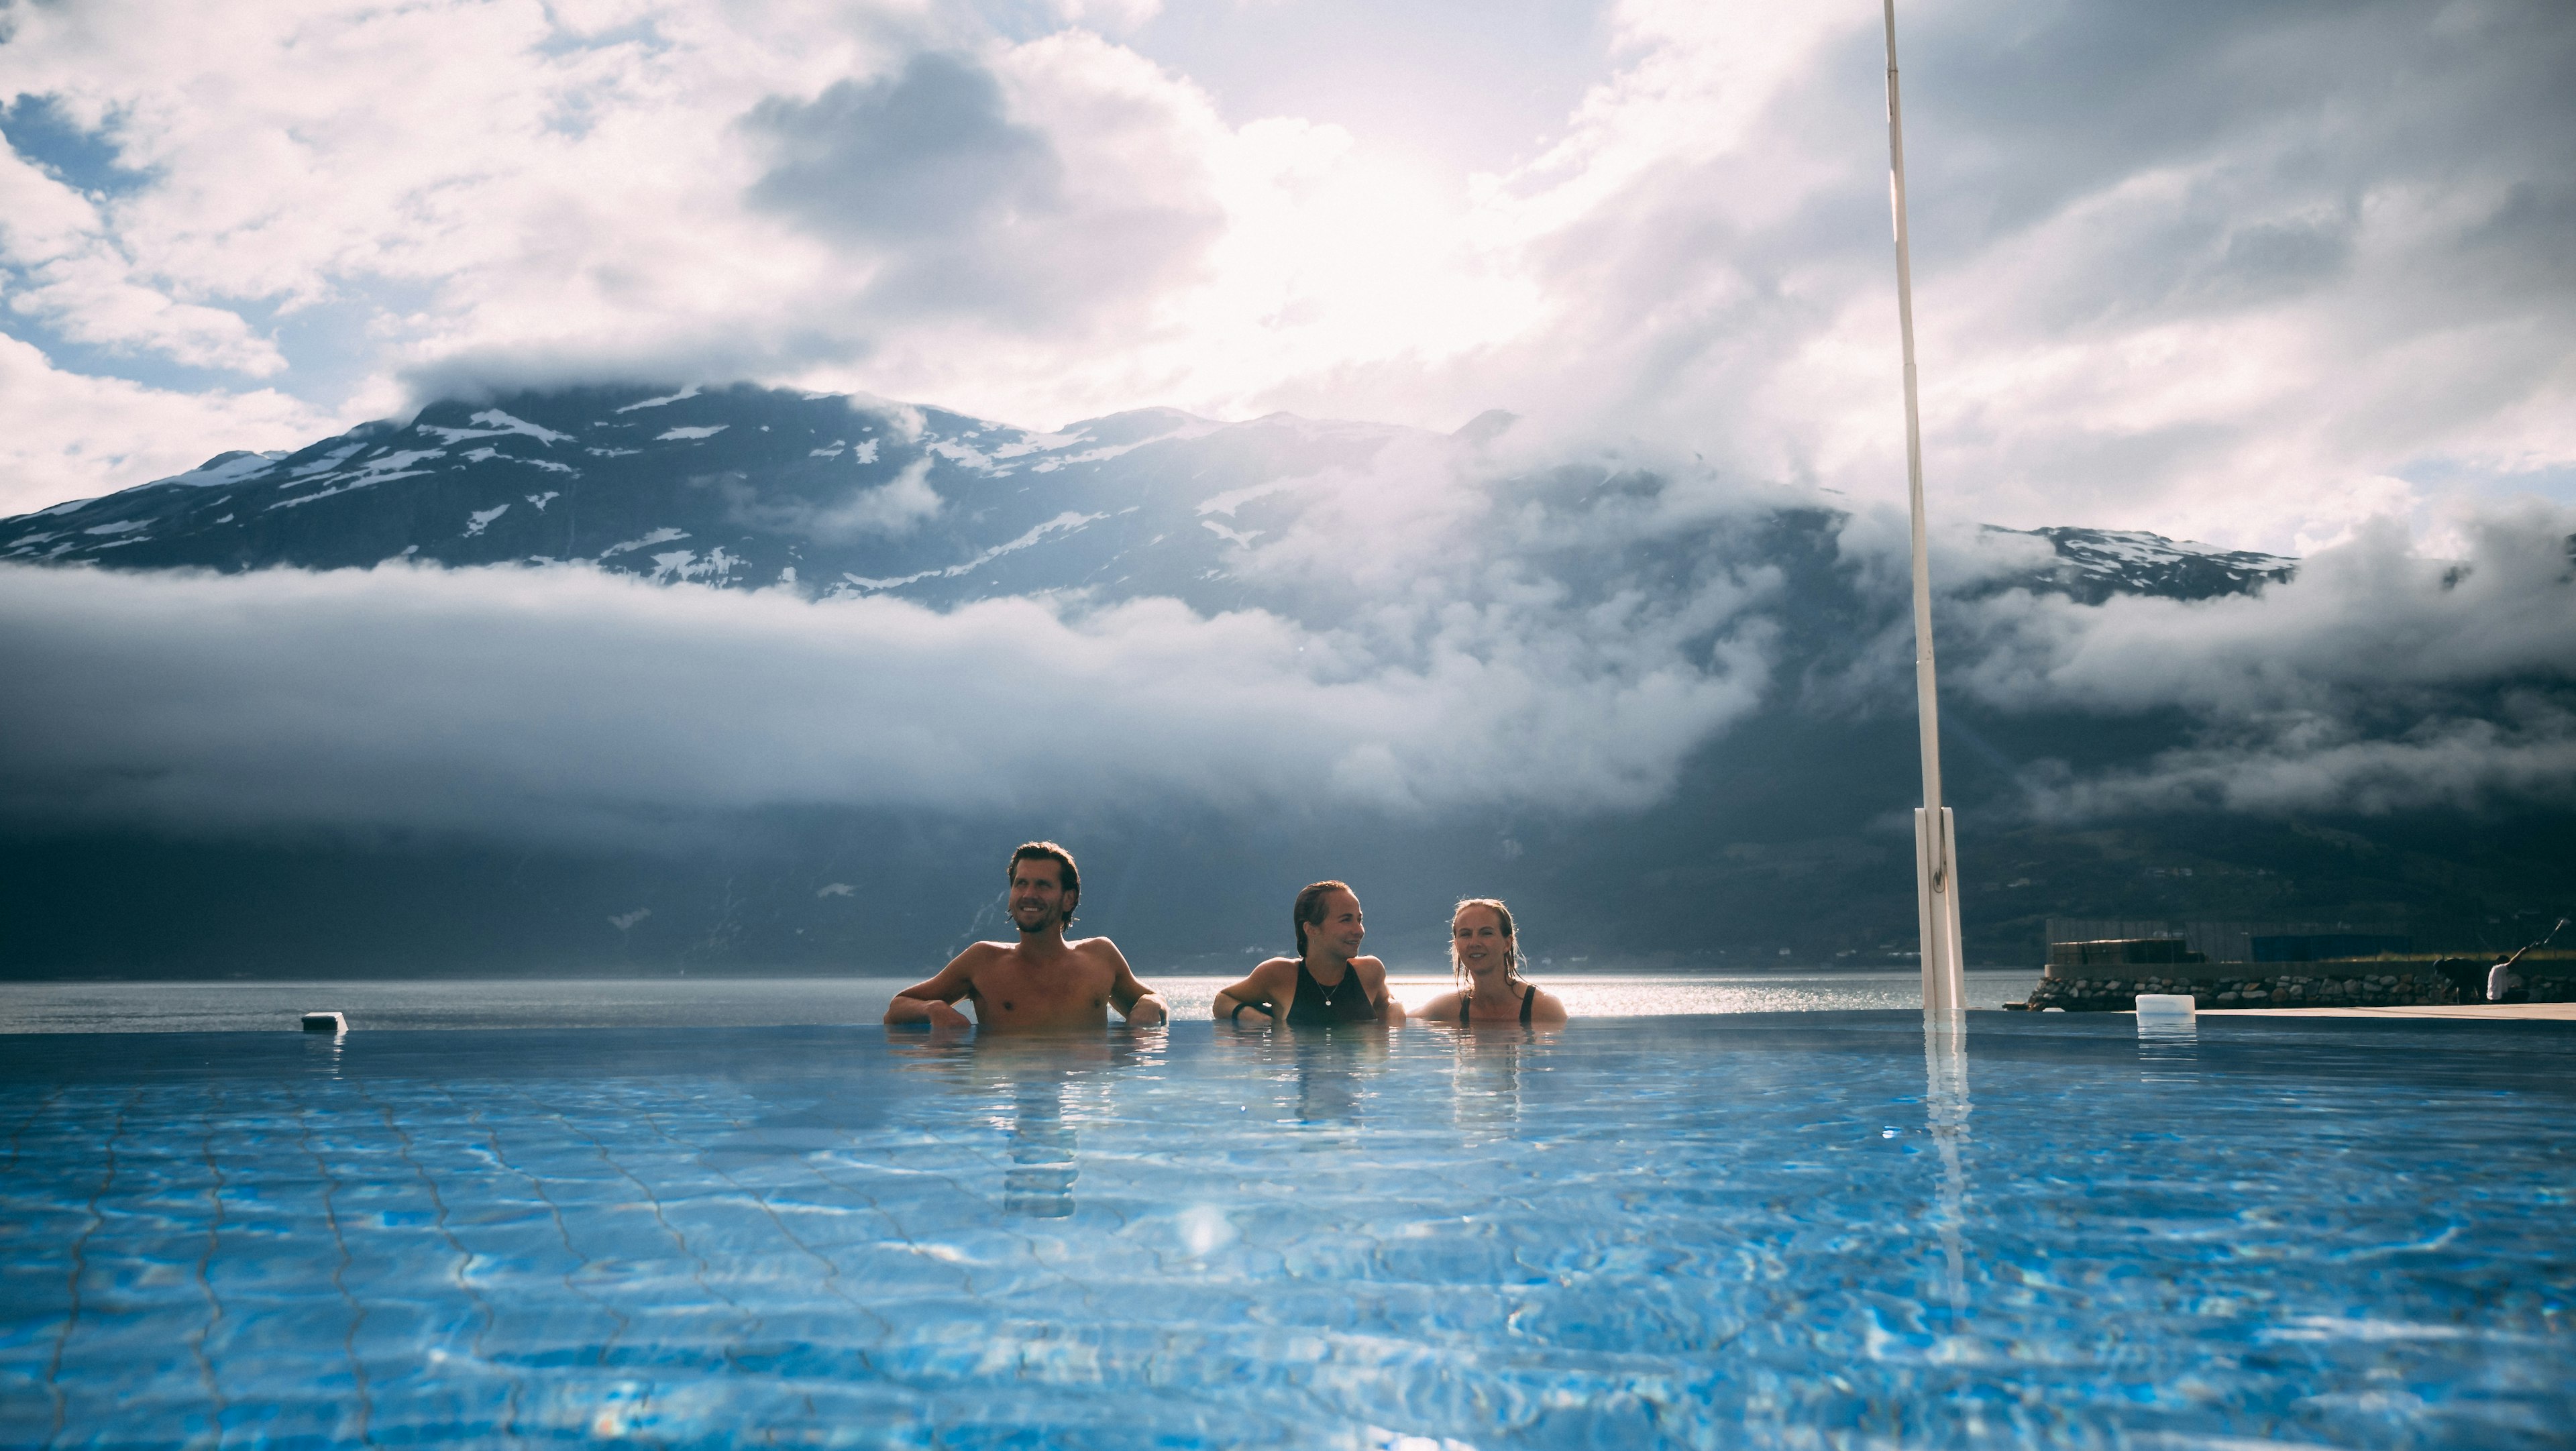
[[2254, 273]]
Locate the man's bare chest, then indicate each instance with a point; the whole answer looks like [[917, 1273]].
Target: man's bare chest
[[1017, 991]]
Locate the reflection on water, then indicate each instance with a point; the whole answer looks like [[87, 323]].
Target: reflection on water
[[1485, 1082], [1036, 1092], [1945, 1111], [1039, 1183], [2168, 1049], [1333, 1069]]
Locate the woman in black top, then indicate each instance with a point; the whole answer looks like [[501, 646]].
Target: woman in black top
[[1487, 960], [1327, 981]]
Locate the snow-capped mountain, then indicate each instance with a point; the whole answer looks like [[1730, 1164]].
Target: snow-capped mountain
[[749, 488], [2094, 564]]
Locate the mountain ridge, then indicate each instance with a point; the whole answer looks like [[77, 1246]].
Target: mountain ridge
[[1779, 832], [525, 483]]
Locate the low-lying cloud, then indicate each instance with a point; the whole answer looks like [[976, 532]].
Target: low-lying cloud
[[566, 702], [2380, 678], [1436, 629]]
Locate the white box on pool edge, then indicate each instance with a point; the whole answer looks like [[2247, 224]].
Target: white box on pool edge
[[2165, 1005]]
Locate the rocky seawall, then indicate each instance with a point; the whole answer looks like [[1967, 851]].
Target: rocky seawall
[[2361, 983]]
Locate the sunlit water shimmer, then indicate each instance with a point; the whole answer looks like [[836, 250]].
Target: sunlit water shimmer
[[171, 1007], [1817, 1229]]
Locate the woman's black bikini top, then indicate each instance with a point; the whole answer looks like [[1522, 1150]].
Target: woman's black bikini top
[[1344, 1002], [1467, 1004]]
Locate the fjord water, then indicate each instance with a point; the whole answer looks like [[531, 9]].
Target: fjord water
[[1791, 1229], [166, 1007]]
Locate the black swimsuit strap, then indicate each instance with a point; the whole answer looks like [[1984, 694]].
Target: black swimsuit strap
[[1467, 1005]]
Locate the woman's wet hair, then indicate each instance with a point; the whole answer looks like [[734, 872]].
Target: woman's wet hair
[[1047, 851], [1511, 944], [1310, 909]]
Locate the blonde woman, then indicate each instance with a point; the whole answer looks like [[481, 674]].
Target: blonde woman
[[1487, 961]]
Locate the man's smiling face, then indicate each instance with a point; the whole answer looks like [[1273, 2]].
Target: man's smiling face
[[1037, 894]]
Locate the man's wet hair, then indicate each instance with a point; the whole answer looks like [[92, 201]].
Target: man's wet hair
[[1310, 909], [1511, 944], [1070, 875]]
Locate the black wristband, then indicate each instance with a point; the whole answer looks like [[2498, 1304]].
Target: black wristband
[[1236, 1017]]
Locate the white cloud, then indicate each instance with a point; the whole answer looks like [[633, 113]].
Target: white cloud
[[78, 283], [68, 436], [2174, 271], [562, 701]]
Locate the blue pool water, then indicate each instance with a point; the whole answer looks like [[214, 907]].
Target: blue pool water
[[1801, 1230]]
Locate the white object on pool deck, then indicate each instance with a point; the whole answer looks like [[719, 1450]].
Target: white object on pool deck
[[326, 1023], [2165, 1007]]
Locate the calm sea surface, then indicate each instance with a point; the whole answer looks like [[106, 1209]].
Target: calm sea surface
[[200, 1007]]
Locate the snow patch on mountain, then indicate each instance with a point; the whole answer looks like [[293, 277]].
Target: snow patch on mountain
[[1061, 524], [1233, 499], [1194, 428], [359, 482], [496, 424], [690, 434], [225, 468], [326, 463], [965, 456], [682, 396], [663, 535]]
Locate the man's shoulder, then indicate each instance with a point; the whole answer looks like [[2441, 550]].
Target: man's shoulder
[[1097, 949]]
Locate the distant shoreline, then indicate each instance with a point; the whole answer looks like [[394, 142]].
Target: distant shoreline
[[907, 973]]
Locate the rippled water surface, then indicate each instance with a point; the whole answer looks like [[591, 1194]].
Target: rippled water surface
[[1753, 1230]]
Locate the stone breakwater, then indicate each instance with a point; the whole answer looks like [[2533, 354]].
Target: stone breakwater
[[2424, 980], [2313, 985]]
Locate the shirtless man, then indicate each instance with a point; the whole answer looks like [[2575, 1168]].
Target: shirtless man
[[1042, 981]]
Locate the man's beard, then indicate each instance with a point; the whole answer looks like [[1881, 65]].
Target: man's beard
[[1060, 916]]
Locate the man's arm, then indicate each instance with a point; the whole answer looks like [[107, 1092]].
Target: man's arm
[[930, 1002], [1136, 1002]]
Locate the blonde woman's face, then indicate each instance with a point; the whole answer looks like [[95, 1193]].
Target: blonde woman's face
[[1476, 936]]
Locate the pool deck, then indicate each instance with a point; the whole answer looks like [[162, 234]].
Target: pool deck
[[2551, 1012]]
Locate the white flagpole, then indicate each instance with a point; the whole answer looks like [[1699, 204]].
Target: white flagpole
[[1936, 876]]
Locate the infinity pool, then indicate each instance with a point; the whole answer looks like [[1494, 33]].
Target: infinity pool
[[1800, 1230]]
